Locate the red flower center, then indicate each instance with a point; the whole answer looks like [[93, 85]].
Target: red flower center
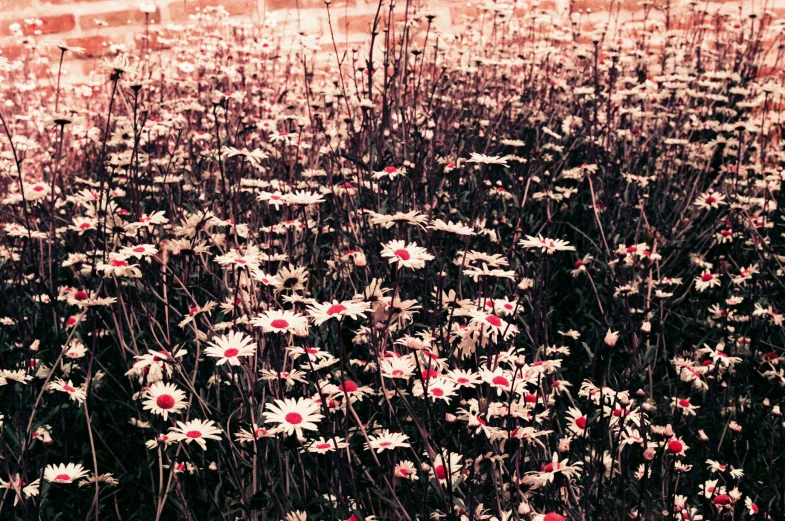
[[675, 446], [139, 249], [63, 477], [231, 352], [165, 401], [193, 434], [390, 169], [500, 380], [335, 309], [684, 402], [493, 320], [437, 391], [429, 373], [279, 323], [295, 418], [722, 499], [117, 263], [706, 277], [80, 295], [552, 516], [348, 386], [68, 388], [581, 422], [402, 254], [440, 472]]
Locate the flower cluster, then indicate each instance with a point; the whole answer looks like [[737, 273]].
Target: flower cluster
[[532, 270]]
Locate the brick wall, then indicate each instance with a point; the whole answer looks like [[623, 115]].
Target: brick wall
[[102, 26]]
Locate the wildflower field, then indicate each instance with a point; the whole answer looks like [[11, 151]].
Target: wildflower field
[[531, 270]]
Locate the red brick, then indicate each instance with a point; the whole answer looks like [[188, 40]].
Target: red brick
[[13, 52], [58, 2], [118, 18], [273, 5], [93, 45], [358, 24], [182, 9], [49, 25]]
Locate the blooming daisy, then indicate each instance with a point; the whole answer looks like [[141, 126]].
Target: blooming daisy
[[387, 440], [547, 245], [64, 473], [706, 280], [323, 312], [228, 348], [322, 446], [577, 421], [256, 432], [19, 488], [684, 404], [709, 200], [161, 398], [406, 470], [195, 430], [76, 394], [447, 468], [293, 416], [406, 256], [282, 321]]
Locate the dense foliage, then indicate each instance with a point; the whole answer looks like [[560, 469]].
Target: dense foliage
[[532, 270]]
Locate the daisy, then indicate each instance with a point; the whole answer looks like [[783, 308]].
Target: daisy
[[161, 398], [293, 416], [547, 245], [439, 388], [77, 394], [118, 266], [577, 421], [447, 468], [398, 367], [752, 508], [450, 227], [464, 378], [549, 472], [282, 321], [303, 198], [406, 256], [387, 440], [75, 349], [139, 251], [676, 446], [322, 446], [254, 434], [406, 470], [486, 160], [195, 430], [492, 325], [20, 488], [709, 200], [685, 405], [228, 348], [64, 473], [499, 379], [323, 312], [706, 280], [107, 478]]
